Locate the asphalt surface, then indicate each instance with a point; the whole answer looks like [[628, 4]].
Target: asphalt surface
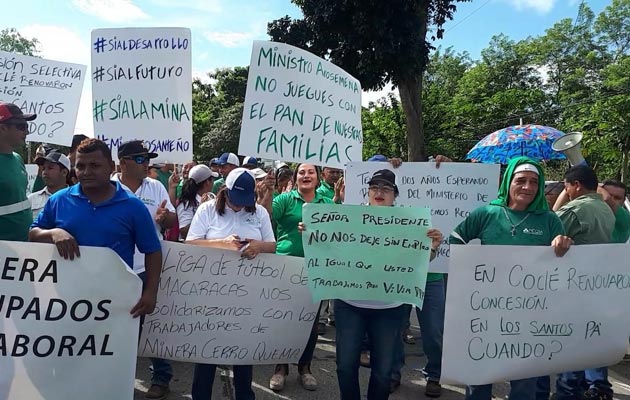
[[323, 367]]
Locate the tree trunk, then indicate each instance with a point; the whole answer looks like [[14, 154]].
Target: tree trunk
[[410, 89]]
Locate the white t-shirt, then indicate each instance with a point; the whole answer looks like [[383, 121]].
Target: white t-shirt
[[208, 224], [152, 193], [186, 213], [38, 200]]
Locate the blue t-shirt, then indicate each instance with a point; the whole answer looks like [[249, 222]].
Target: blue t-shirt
[[120, 223]]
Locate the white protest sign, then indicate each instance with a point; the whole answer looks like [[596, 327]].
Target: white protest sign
[[31, 171], [65, 326], [515, 312], [451, 191], [142, 89], [216, 308], [50, 89], [300, 107]]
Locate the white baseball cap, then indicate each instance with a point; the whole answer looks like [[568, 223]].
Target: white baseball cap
[[200, 173]]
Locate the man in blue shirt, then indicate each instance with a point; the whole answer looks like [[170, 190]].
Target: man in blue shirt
[[98, 212]]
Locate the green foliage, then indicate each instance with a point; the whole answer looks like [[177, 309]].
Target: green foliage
[[12, 42]]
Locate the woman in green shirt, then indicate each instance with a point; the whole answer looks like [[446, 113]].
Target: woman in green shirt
[[286, 212]]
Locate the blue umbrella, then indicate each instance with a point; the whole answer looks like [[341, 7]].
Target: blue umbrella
[[533, 141]]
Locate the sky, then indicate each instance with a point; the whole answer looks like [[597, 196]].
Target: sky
[[223, 30]]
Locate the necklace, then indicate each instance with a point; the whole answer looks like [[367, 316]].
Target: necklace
[[513, 230]]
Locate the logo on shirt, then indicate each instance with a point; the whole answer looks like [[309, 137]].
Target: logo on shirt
[[252, 220], [533, 231]]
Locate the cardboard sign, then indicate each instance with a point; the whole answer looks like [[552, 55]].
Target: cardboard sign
[[141, 89], [216, 308], [301, 108], [65, 326], [515, 312], [367, 253], [50, 89], [451, 192]]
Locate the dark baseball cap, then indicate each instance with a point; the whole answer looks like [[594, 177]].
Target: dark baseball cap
[[383, 176], [9, 111], [55, 157], [134, 148], [76, 140]]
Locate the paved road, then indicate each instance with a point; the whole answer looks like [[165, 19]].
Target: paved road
[[324, 370]]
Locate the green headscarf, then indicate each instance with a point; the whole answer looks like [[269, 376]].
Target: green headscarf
[[539, 204]]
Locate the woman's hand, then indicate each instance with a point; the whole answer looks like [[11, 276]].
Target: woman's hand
[[561, 244], [436, 238], [232, 242], [173, 180], [301, 227], [252, 249]]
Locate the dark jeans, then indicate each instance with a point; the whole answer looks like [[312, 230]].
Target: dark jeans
[[204, 378], [383, 327], [571, 385], [304, 365], [161, 370], [521, 389]]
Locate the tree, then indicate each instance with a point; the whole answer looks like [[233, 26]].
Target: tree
[[378, 42], [384, 128], [12, 42]]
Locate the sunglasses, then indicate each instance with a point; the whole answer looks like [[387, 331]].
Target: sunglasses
[[22, 126], [138, 159]]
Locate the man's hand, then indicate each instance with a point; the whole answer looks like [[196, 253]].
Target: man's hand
[[145, 305], [440, 159], [561, 245], [66, 244], [436, 238], [161, 213], [395, 162], [340, 191]]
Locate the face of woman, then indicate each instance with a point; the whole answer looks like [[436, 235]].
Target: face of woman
[[307, 178], [381, 195]]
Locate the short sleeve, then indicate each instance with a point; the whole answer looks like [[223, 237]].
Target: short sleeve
[[265, 225], [147, 240], [278, 207], [556, 226], [200, 225], [570, 222], [46, 218], [469, 229], [185, 215]]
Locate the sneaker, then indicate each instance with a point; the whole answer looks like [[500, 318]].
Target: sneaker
[[321, 328], [364, 360], [276, 383], [308, 381], [156, 392], [408, 337], [331, 322], [596, 394], [433, 389], [393, 385]]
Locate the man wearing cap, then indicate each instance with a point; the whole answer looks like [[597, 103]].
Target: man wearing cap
[[134, 165], [227, 162], [250, 162], [213, 165], [55, 171], [330, 178], [15, 208]]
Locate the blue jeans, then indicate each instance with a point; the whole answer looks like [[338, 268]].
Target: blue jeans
[[161, 370], [521, 389], [204, 378], [431, 319], [383, 328], [571, 385]]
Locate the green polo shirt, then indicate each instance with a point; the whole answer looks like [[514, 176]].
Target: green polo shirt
[[163, 177], [588, 220], [287, 212], [13, 182], [217, 185], [621, 233], [326, 190]]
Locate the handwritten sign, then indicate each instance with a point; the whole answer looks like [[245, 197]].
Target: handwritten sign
[[367, 253], [300, 107], [515, 312], [50, 89], [65, 326], [141, 89], [451, 191], [214, 307], [31, 171]]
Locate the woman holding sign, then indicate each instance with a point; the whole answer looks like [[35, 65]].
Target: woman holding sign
[[286, 211], [520, 216], [233, 221]]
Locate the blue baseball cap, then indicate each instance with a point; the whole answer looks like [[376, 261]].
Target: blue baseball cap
[[228, 158], [249, 160], [378, 157], [241, 187]]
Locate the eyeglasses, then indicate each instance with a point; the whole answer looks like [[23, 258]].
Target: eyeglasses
[[382, 189], [138, 159], [22, 126]]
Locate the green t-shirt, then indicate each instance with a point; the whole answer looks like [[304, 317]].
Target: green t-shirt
[[287, 212], [13, 184], [588, 219], [178, 189], [491, 226], [621, 233], [326, 190], [163, 177], [217, 185]]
